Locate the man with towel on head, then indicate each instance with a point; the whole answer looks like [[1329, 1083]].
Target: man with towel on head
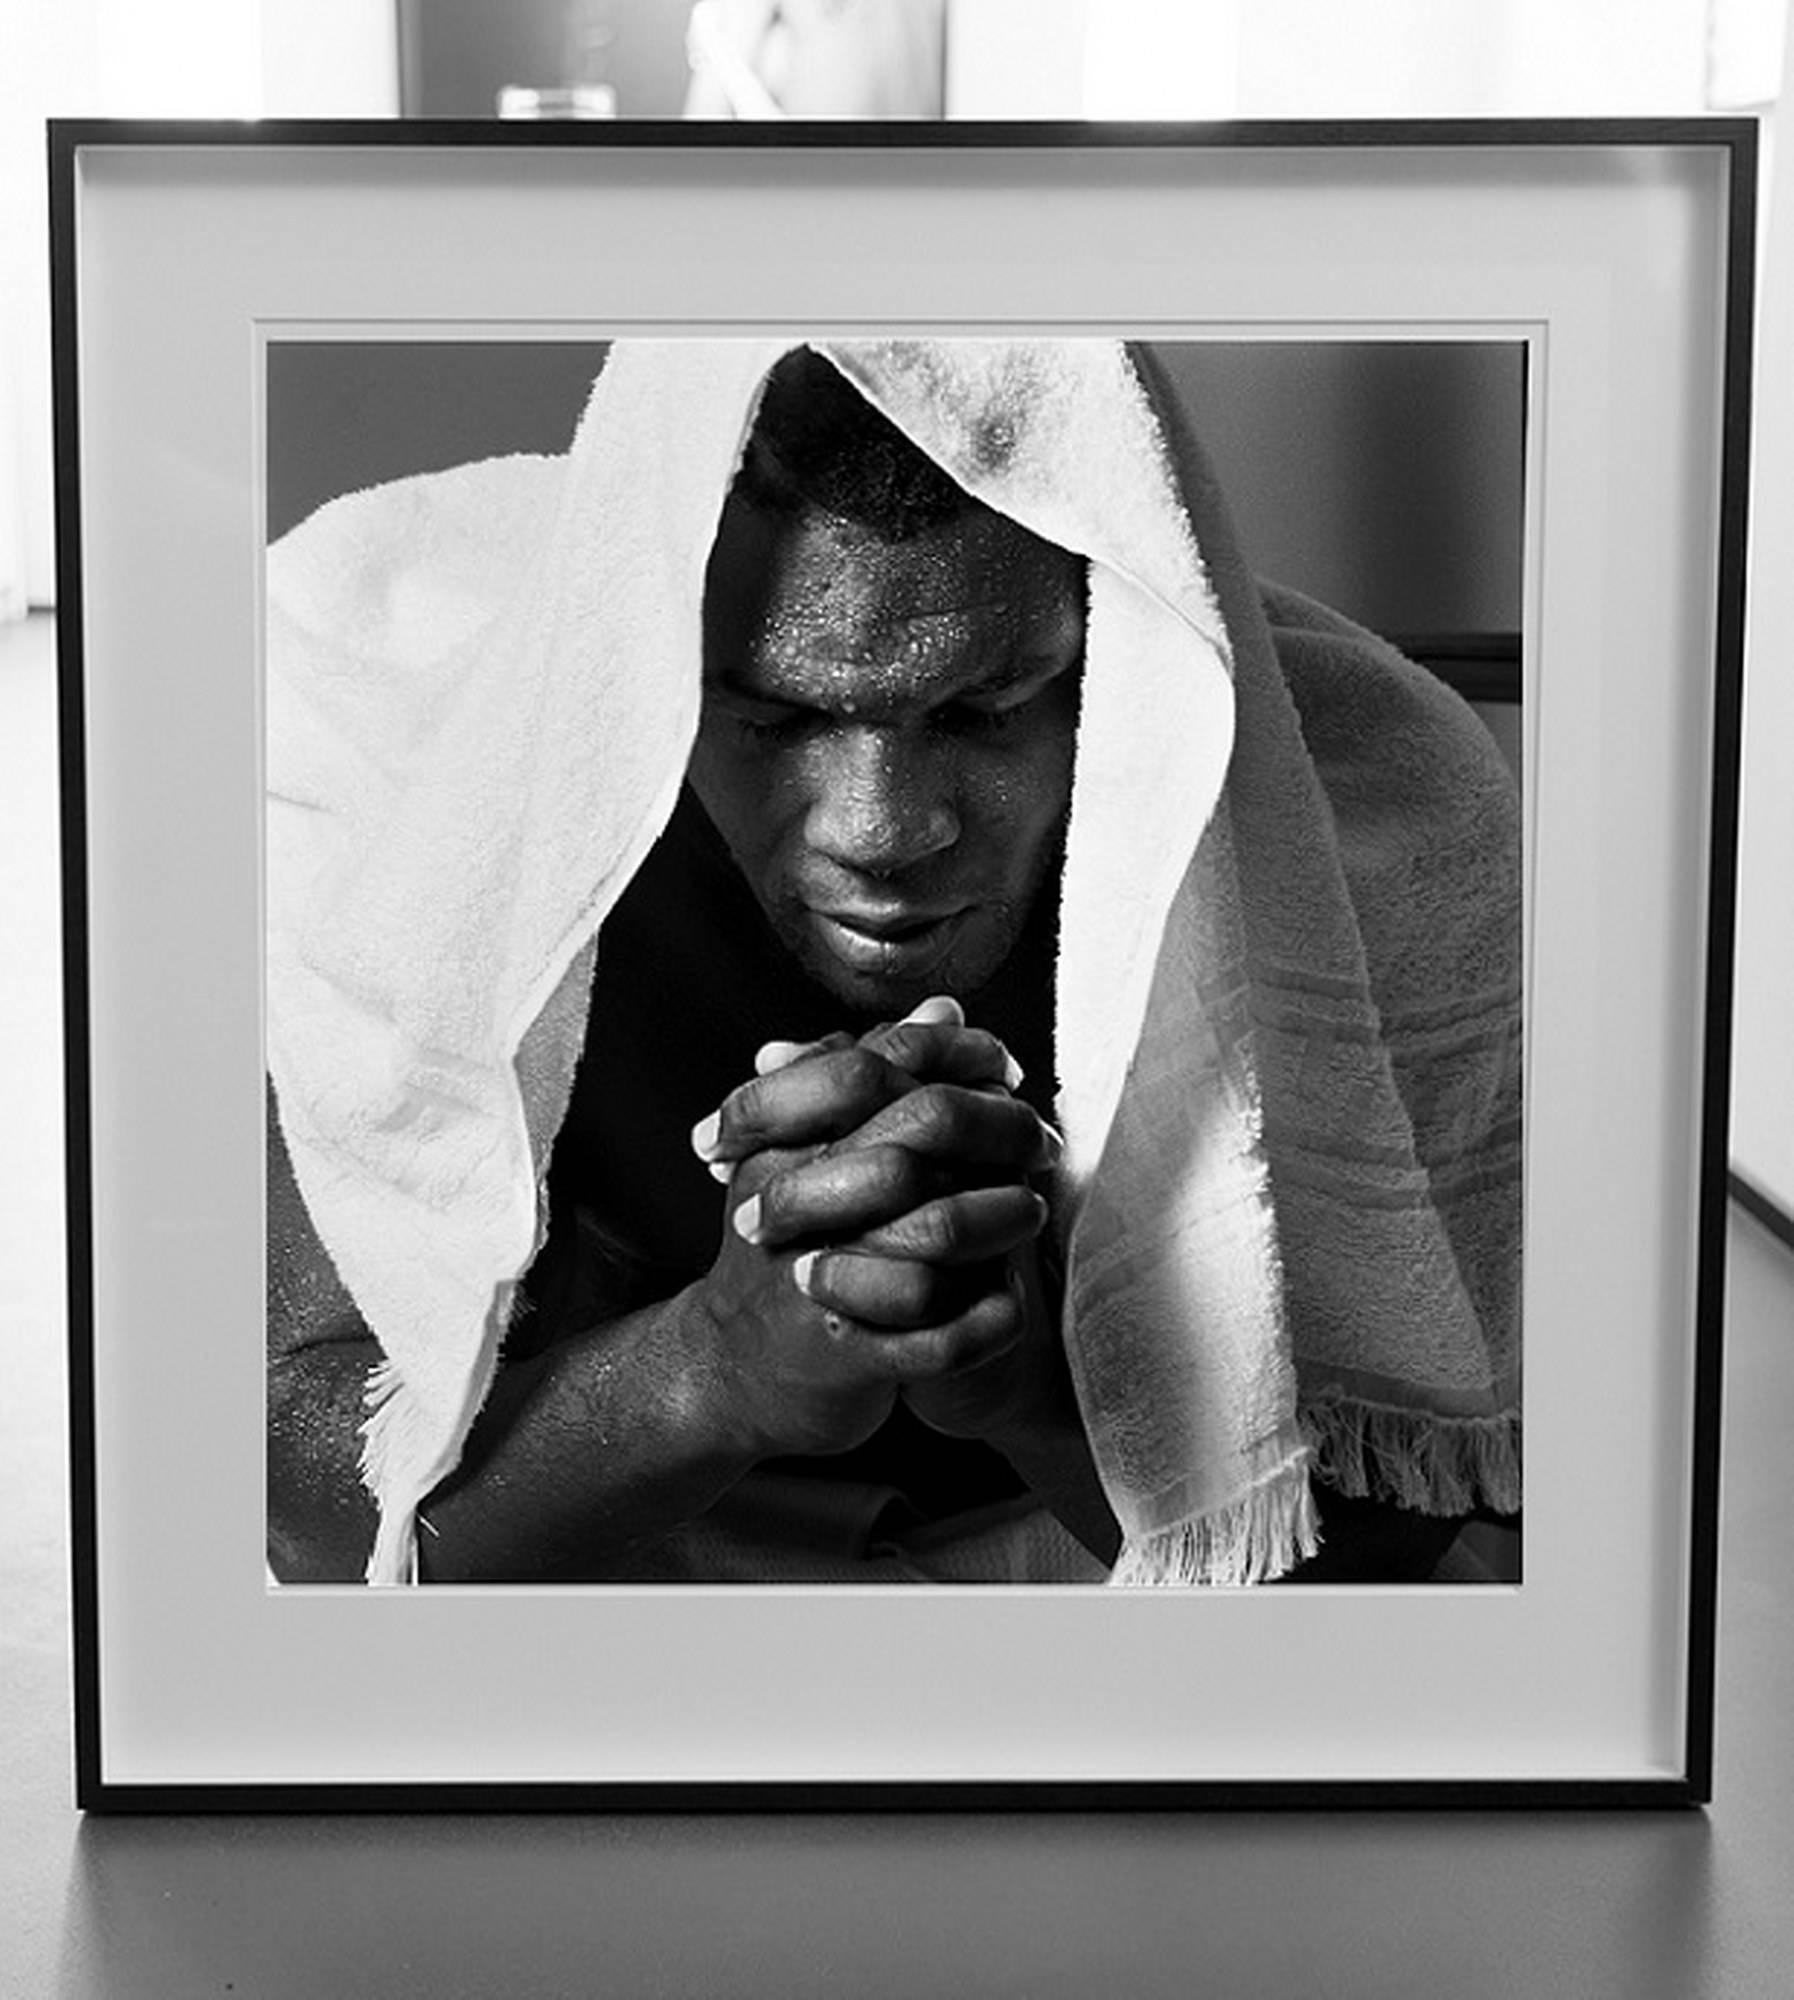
[[851, 1000]]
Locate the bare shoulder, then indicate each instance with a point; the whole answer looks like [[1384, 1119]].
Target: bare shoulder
[[1425, 810], [308, 1303], [1370, 715]]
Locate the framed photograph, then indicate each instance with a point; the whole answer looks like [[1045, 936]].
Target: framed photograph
[[898, 959]]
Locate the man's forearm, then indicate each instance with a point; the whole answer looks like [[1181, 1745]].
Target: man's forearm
[[608, 1440]]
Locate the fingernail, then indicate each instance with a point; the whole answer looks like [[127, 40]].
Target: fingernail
[[747, 1219], [801, 1270], [1012, 1071], [937, 1008], [705, 1133], [721, 1170], [1055, 1143]]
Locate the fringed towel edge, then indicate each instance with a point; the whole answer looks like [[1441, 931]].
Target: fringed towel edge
[[1255, 1538], [1416, 1458], [403, 1455], [389, 1435]]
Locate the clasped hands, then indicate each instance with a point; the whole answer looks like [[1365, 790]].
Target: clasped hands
[[880, 1238]]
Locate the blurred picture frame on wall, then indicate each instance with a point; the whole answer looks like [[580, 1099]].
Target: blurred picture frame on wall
[[704, 59], [1219, 1081]]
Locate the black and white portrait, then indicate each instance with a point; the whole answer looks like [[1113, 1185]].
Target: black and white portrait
[[892, 961]]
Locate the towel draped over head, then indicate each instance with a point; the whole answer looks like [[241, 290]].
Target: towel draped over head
[[1287, 999]]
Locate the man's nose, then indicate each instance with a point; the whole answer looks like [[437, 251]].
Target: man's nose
[[883, 802]]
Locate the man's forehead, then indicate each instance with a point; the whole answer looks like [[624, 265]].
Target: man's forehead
[[963, 552], [816, 587]]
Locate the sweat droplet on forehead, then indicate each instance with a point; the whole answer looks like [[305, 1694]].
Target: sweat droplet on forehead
[[851, 621]]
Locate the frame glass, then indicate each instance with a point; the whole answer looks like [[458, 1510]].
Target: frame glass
[[185, 255]]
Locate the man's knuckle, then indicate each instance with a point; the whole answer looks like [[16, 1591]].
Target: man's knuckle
[[1021, 1127], [778, 1198], [891, 1172], [913, 1287], [861, 1072], [937, 1113], [952, 1349], [922, 1355], [896, 1046], [938, 1229], [998, 1319], [744, 1109]]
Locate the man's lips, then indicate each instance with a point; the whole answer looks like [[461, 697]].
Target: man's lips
[[891, 940]]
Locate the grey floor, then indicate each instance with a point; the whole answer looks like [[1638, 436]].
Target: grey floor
[[1430, 1905]]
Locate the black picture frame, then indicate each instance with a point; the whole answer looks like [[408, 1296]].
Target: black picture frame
[[92, 163]]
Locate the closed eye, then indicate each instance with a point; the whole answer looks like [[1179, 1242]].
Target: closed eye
[[1003, 708], [762, 718], [976, 718]]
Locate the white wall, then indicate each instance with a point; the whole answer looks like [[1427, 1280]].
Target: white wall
[[1763, 1019], [44, 68], [329, 59], [134, 59], [1016, 58], [1326, 58]]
